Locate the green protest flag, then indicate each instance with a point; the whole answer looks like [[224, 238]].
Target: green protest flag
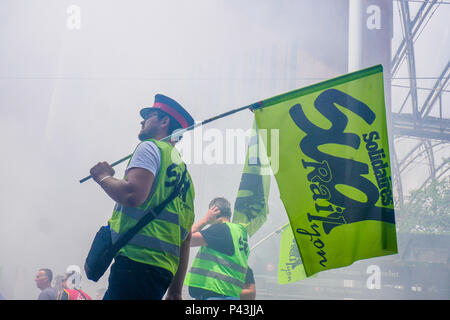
[[290, 266], [333, 168], [251, 207]]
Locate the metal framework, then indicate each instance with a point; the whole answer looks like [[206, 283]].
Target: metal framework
[[432, 133]]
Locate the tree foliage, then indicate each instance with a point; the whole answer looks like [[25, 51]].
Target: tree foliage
[[428, 209]]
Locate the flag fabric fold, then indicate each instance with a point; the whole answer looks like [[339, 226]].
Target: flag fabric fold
[[290, 266], [251, 206]]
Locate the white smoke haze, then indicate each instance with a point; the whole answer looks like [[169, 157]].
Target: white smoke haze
[[74, 75]]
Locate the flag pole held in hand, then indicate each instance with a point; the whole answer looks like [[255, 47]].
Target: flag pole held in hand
[[180, 132]]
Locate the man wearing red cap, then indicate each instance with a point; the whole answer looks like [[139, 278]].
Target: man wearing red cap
[[155, 259]]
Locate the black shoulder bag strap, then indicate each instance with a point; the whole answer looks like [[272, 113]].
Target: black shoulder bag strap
[[152, 214]]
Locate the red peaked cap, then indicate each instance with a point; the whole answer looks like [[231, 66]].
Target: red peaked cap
[[172, 108]]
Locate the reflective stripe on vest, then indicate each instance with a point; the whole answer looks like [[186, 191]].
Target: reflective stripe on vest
[[219, 276], [232, 265], [149, 243], [136, 213]]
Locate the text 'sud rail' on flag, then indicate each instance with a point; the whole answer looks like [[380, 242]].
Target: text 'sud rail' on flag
[[334, 172]]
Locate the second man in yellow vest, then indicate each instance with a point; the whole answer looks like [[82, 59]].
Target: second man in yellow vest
[[219, 270]]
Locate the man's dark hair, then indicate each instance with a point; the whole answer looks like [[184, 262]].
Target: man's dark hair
[[48, 273], [173, 124], [223, 205]]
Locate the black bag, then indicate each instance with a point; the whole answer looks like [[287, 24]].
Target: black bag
[[103, 251], [100, 256]]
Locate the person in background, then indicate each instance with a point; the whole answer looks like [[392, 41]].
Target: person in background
[[43, 281], [71, 289], [57, 282]]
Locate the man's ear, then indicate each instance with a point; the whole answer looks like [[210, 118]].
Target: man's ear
[[165, 121]]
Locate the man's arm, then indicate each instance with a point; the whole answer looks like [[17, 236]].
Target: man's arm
[[174, 290], [248, 292], [131, 192], [197, 238]]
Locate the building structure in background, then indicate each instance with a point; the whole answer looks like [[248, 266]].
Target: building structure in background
[[419, 128]]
